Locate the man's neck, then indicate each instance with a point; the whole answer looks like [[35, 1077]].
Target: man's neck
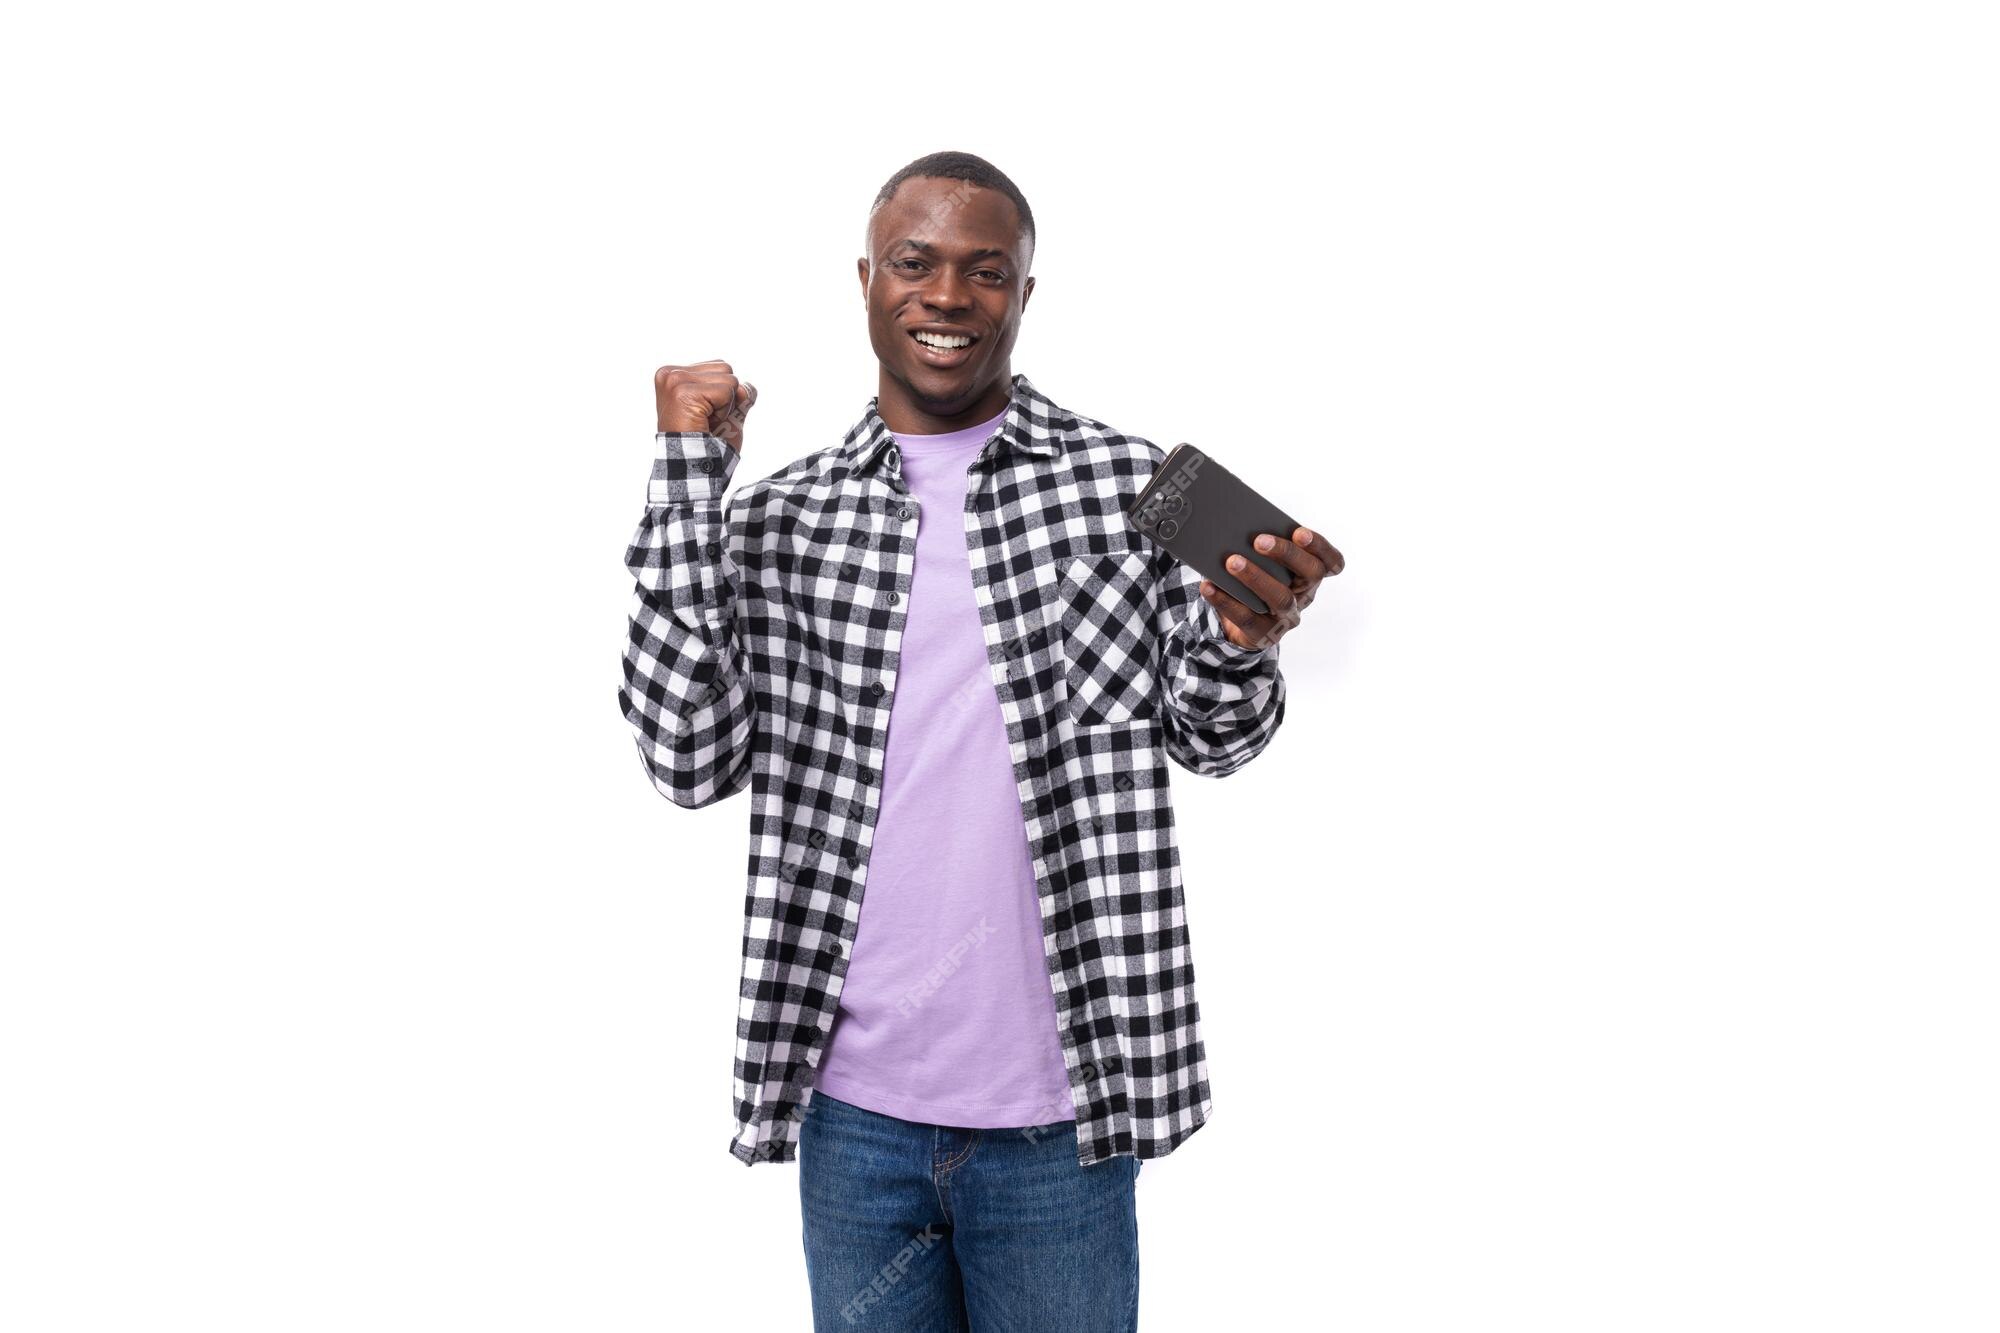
[[904, 414]]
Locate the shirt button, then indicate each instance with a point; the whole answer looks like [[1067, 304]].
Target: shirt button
[[713, 549], [894, 596], [865, 776], [906, 512], [836, 948], [877, 689], [706, 465]]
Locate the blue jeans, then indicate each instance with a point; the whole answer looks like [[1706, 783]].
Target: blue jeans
[[915, 1228]]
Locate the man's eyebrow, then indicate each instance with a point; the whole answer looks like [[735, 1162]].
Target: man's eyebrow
[[911, 243]]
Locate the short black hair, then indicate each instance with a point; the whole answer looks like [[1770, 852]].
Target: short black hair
[[961, 167]]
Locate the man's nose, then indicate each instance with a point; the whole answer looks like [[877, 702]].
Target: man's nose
[[947, 289]]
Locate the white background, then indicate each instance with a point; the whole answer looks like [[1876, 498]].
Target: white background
[[1617, 947]]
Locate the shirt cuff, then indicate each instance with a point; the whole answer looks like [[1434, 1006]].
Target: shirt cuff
[[689, 467]]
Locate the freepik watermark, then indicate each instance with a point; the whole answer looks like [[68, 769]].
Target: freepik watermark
[[1168, 506], [891, 1273], [1091, 1071], [944, 969], [773, 1147], [941, 209]]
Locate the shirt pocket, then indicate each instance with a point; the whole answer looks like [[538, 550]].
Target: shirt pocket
[[1107, 637]]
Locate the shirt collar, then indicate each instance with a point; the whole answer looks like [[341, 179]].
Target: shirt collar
[[1031, 426]]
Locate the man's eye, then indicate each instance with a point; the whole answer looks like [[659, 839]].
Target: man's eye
[[917, 263]]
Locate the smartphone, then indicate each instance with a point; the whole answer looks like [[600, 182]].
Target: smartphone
[[1202, 512]]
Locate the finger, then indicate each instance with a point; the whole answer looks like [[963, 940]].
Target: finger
[[698, 370], [1322, 549], [1276, 595], [1252, 624], [714, 385], [1295, 557]]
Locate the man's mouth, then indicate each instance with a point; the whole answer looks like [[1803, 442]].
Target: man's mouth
[[942, 349]]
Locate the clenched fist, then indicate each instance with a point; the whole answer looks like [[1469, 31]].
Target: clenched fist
[[705, 396]]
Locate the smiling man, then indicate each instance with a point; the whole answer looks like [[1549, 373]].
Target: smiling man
[[952, 674]]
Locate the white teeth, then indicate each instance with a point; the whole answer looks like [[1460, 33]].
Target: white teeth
[[943, 340]]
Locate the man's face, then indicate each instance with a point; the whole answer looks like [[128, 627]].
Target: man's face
[[945, 257]]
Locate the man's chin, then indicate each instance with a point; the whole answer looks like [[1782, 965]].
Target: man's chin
[[934, 387]]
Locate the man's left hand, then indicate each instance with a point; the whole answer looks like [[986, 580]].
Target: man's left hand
[[1309, 556]]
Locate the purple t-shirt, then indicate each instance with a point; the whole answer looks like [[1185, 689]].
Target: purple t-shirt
[[946, 1015]]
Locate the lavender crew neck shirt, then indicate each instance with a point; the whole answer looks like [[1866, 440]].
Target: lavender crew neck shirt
[[946, 1016]]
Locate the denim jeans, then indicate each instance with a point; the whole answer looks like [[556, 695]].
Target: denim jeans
[[916, 1228]]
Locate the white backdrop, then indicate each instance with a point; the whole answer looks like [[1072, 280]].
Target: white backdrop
[[1631, 827]]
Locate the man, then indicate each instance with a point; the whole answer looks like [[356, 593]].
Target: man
[[951, 672]]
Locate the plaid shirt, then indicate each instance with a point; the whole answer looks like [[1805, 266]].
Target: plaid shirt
[[763, 652]]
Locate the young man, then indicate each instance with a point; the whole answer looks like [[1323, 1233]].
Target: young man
[[952, 673]]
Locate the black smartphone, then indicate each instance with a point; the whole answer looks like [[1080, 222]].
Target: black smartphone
[[1202, 512]]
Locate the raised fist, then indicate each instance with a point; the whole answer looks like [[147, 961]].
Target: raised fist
[[705, 396]]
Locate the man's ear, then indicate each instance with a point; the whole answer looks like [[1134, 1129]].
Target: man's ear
[[862, 264], [1027, 290]]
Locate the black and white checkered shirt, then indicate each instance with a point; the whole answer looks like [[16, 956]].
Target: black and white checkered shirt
[[763, 652]]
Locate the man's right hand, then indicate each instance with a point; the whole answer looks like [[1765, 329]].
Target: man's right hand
[[705, 396]]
